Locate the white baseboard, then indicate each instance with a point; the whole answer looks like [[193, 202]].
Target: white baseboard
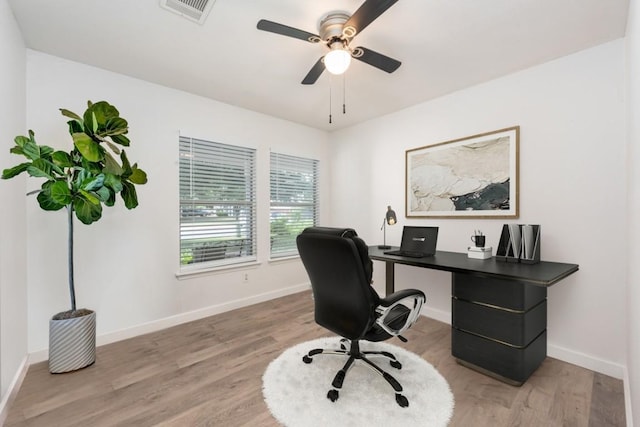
[[439, 315], [627, 398], [12, 391], [167, 322], [586, 361]]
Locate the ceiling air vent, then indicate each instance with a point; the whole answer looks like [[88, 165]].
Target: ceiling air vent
[[194, 10]]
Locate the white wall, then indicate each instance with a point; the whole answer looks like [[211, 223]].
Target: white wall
[[126, 263], [572, 174], [633, 281], [572, 182], [13, 284]]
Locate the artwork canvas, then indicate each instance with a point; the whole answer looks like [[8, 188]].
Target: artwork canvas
[[476, 176]]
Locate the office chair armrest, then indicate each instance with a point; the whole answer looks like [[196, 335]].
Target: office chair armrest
[[400, 295], [388, 304]]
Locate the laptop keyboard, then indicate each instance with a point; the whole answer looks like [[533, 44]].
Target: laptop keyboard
[[409, 254]]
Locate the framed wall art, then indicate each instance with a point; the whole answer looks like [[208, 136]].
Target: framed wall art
[[472, 177]]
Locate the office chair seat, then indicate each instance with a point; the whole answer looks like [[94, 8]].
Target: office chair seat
[[340, 271]]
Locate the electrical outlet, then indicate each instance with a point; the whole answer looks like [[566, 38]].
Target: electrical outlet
[[245, 277]]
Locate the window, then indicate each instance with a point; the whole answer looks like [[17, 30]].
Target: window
[[217, 203], [294, 201]]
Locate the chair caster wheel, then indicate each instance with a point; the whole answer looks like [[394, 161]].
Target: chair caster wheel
[[402, 401], [306, 359], [333, 395], [395, 364]]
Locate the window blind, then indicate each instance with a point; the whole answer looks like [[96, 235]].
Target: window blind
[[217, 203], [294, 201]]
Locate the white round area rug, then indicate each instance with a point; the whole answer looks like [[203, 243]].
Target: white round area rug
[[296, 392]]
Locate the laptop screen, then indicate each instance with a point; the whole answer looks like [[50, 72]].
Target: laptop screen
[[419, 239]]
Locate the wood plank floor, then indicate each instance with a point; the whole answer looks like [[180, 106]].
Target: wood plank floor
[[208, 373]]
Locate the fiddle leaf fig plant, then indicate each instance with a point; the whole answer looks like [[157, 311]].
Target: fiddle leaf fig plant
[[87, 177]]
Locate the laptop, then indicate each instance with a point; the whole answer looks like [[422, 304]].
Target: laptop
[[417, 242]]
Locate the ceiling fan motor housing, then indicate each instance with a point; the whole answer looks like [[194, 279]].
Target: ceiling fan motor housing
[[331, 27]]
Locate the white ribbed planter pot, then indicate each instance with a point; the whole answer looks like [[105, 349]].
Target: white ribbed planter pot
[[72, 343]]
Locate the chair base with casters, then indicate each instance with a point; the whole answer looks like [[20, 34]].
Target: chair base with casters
[[340, 270], [354, 354]]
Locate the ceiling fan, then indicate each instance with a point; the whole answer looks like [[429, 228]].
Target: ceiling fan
[[337, 30]]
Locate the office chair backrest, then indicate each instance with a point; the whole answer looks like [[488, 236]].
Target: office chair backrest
[[339, 269]]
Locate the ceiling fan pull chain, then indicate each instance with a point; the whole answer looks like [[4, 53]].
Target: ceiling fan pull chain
[[330, 100], [344, 94]]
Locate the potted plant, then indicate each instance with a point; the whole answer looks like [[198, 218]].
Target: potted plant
[[81, 181]]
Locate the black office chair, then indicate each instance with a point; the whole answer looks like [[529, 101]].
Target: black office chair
[[340, 270]]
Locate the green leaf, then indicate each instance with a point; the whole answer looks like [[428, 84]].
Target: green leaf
[[116, 126], [55, 168], [93, 183], [90, 197], [45, 151], [16, 170], [104, 193], [94, 122], [80, 175], [75, 127], [31, 150], [60, 192], [129, 195], [17, 150], [91, 167], [21, 140], [126, 166], [70, 114], [62, 159], [113, 147], [112, 197], [96, 116], [113, 182], [87, 118], [111, 165], [104, 111], [40, 168], [121, 139], [87, 212], [89, 149], [45, 200], [138, 176]]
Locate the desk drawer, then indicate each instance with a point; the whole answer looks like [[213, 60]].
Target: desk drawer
[[515, 364], [509, 294], [515, 328]]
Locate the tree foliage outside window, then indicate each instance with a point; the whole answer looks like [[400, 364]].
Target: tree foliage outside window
[[217, 203], [294, 201]]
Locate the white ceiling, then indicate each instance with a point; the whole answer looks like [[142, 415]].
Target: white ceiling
[[444, 46]]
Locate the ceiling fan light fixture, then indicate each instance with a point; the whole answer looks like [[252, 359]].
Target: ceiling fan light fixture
[[338, 59]]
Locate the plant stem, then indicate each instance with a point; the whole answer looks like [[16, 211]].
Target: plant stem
[[72, 290]]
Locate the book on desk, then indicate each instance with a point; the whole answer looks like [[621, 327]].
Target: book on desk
[[475, 252]]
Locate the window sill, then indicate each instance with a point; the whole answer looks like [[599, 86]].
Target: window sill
[[283, 259], [220, 269]]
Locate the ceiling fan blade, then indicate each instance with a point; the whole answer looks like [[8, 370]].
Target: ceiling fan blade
[[314, 73], [274, 27], [377, 60], [367, 13]]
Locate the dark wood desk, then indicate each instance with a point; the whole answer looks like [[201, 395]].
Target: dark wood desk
[[498, 309]]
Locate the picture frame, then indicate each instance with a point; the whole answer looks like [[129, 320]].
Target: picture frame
[[472, 177]]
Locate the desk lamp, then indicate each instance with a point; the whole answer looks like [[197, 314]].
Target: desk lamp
[[390, 218]]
